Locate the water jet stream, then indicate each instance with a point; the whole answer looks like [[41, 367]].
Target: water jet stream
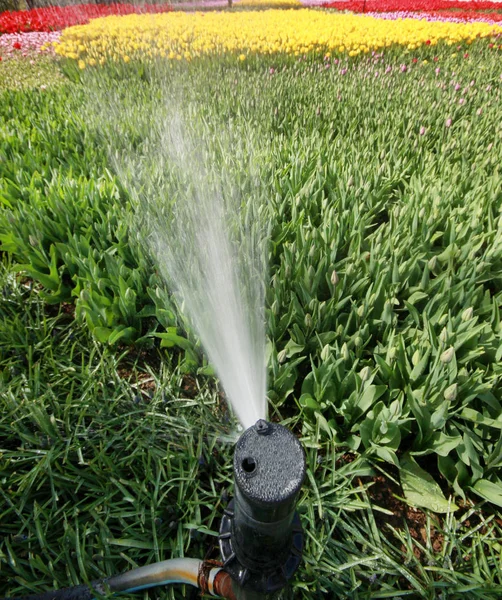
[[209, 243]]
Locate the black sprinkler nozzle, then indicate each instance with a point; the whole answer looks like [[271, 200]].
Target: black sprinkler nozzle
[[261, 538]]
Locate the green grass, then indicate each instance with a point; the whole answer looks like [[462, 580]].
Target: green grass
[[99, 477], [107, 461]]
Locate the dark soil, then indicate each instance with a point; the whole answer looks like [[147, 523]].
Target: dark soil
[[385, 493]]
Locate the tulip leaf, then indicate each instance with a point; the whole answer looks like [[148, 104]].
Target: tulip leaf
[[489, 491], [420, 489]]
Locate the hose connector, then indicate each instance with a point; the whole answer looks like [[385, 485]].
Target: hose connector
[[261, 538]]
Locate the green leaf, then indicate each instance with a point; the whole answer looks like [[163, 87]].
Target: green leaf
[[102, 334], [420, 489], [489, 491], [131, 543], [190, 362], [48, 281], [293, 348], [420, 366], [386, 454], [384, 368], [4, 201], [443, 444], [147, 311], [417, 297], [171, 339], [306, 401], [447, 468], [368, 398], [476, 417], [323, 424], [207, 370], [122, 333], [498, 355]]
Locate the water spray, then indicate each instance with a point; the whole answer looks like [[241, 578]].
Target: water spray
[[261, 538]]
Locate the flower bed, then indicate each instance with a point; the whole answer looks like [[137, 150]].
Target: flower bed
[[269, 3], [431, 10], [54, 18], [27, 44], [185, 36], [445, 16], [410, 5], [469, 15]]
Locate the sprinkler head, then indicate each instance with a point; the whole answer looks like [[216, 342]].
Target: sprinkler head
[[261, 538]]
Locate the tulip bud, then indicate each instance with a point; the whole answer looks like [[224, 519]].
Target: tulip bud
[[450, 392], [308, 320], [282, 356], [345, 352], [325, 352], [334, 278], [443, 319], [365, 374], [358, 342], [432, 263], [415, 359], [443, 336], [447, 356], [467, 314], [463, 375]]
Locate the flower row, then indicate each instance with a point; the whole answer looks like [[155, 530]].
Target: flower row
[[54, 18], [446, 16], [179, 35], [268, 3], [27, 44], [410, 5]]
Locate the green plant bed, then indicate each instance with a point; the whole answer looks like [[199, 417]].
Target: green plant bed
[[28, 73], [383, 195]]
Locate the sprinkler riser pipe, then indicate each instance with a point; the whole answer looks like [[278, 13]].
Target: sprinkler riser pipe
[[259, 543], [261, 538]]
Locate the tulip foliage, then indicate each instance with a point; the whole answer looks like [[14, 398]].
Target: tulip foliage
[[381, 174]]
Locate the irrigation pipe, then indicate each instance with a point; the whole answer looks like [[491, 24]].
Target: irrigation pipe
[[206, 575]]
